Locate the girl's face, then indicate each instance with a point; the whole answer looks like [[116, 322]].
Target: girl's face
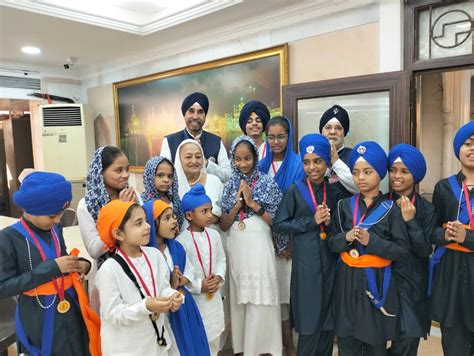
[[314, 166], [365, 177], [191, 158], [401, 179], [244, 159], [466, 153], [168, 225], [277, 138], [116, 175], [254, 126], [136, 231], [164, 177]]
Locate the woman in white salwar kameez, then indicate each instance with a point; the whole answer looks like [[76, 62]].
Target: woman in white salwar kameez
[[250, 201]]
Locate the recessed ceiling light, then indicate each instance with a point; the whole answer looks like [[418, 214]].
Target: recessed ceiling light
[[30, 50]]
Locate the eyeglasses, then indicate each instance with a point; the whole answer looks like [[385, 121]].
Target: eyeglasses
[[279, 138]]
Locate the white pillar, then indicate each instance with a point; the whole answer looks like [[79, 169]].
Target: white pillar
[[390, 35]]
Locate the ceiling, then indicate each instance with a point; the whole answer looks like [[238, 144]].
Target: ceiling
[[104, 34]]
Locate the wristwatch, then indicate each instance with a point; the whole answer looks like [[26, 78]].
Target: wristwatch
[[260, 211]]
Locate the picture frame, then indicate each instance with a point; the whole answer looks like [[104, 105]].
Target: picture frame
[[148, 108]]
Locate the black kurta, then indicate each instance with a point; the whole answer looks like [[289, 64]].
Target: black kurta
[[453, 280], [70, 335], [313, 265], [412, 274], [355, 316]]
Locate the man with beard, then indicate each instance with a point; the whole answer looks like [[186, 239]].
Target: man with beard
[[194, 108], [334, 124]]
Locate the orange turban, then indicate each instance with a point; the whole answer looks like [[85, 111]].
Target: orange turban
[[110, 218], [159, 206]]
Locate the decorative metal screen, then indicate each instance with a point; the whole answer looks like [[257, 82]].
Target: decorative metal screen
[[445, 31]]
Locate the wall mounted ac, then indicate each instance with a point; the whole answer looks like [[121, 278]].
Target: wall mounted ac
[[59, 140], [17, 84]]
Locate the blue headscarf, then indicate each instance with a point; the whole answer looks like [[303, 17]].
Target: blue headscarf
[[196, 97], [96, 195], [265, 191], [152, 193], [411, 157], [258, 108], [291, 168], [195, 198], [43, 193], [186, 323], [373, 154], [317, 144], [462, 135]]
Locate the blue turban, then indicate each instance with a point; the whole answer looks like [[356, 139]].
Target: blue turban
[[317, 144], [197, 97], [195, 198], [43, 193], [337, 112], [462, 135], [258, 108], [411, 157], [373, 154]]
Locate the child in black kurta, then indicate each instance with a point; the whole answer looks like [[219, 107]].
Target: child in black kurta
[[32, 254], [453, 279], [370, 234], [407, 167], [304, 213]]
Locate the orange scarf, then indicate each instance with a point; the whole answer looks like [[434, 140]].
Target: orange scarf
[[91, 319], [364, 261]]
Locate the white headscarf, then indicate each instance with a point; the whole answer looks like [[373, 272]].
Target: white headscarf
[[183, 185]]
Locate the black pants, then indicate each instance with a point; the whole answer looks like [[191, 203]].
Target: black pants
[[319, 344], [407, 346], [457, 341], [349, 346]]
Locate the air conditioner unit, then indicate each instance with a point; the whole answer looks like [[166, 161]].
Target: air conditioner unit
[[17, 84], [59, 140]]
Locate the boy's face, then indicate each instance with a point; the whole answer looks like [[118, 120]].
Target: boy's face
[[163, 177], [466, 153], [314, 167], [168, 228], [201, 216], [401, 179], [365, 177], [254, 126], [45, 222]]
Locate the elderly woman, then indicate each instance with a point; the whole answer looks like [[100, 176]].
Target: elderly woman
[[189, 166]]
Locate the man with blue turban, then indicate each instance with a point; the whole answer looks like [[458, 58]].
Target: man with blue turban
[[334, 124], [194, 109]]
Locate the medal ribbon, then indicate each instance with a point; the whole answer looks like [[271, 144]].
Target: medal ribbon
[[274, 169], [199, 253], [468, 205], [130, 263], [313, 198], [242, 216], [59, 289]]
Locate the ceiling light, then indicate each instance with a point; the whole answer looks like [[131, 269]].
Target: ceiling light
[[30, 50]]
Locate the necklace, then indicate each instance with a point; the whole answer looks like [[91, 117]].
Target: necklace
[[196, 181]]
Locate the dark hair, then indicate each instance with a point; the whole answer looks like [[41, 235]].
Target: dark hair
[[279, 120], [128, 215], [251, 147], [165, 160], [109, 154]]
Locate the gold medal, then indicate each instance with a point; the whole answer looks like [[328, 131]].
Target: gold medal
[[354, 253], [322, 235], [160, 342], [155, 316], [241, 226], [63, 306], [209, 296], [181, 291]]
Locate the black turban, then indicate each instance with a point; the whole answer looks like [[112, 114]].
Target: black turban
[[196, 97], [337, 112], [258, 108]]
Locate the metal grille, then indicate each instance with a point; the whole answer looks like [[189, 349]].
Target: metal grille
[[19, 82], [62, 116]]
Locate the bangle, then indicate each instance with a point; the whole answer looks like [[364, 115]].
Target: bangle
[[260, 211]]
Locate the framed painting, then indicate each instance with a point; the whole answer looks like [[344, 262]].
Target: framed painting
[[149, 108]]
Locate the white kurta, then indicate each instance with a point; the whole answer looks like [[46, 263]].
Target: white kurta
[[212, 311], [126, 328], [283, 266], [254, 300]]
